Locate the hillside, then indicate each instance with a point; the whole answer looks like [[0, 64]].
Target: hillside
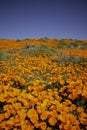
[[43, 84]]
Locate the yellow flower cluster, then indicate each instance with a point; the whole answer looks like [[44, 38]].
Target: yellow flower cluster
[[38, 93]]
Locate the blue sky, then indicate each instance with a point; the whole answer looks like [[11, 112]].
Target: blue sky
[[21, 19]]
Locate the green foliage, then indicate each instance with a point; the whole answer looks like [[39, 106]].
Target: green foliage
[[45, 49], [0, 55], [54, 85], [18, 40], [72, 58], [45, 39], [80, 102], [26, 39], [33, 50], [7, 55], [83, 46], [74, 44], [61, 44]]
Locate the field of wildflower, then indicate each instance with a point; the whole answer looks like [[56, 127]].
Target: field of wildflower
[[43, 84]]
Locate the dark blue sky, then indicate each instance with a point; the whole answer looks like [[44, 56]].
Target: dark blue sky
[[43, 18]]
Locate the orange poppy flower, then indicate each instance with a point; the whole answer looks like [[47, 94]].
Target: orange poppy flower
[[43, 126], [52, 121], [32, 114], [44, 115]]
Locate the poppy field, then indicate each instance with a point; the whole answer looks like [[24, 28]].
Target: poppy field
[[43, 84]]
